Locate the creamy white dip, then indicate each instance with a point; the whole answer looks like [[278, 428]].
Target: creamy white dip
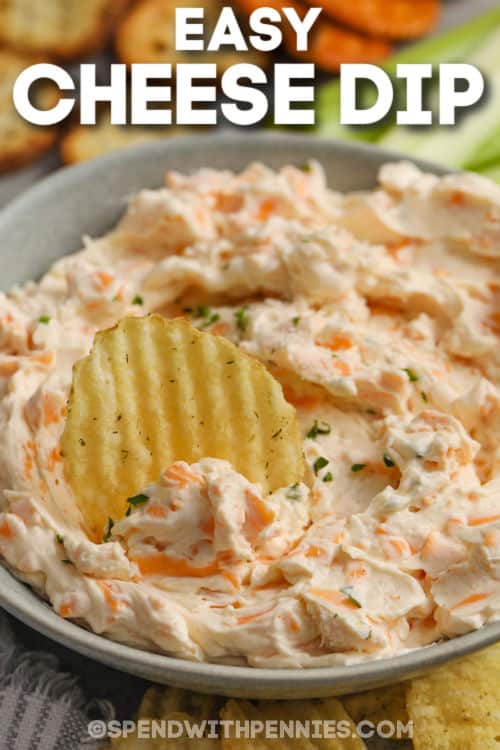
[[380, 314]]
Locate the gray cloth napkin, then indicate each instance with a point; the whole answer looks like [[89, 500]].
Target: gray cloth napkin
[[42, 708]]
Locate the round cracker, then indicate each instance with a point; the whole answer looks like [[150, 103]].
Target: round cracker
[[20, 142], [85, 142], [394, 19], [61, 28], [329, 44], [147, 35]]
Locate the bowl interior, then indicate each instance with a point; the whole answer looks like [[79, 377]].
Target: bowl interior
[[49, 221]]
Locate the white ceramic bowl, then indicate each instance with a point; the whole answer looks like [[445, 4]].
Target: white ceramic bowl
[[48, 222]]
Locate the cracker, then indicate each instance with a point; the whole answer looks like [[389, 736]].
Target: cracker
[[20, 142], [85, 142], [329, 44], [60, 28], [147, 35], [397, 19]]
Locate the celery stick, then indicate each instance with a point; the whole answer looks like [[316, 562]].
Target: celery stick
[[454, 146], [451, 46], [493, 172], [328, 117], [487, 153]]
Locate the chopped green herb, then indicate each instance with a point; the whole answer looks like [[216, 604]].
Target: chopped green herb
[[369, 635], [358, 467], [319, 428], [225, 267], [328, 477], [293, 492], [59, 539], [138, 499], [82, 442], [306, 167], [128, 511], [45, 319], [347, 590], [277, 433], [296, 320], [202, 311], [388, 461], [211, 320], [412, 375], [138, 300], [107, 535], [320, 463], [424, 396], [66, 561], [241, 316]]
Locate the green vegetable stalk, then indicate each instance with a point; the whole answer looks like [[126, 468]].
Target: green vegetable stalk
[[454, 45], [457, 146]]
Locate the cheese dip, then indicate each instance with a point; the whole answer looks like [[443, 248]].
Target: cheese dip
[[379, 313]]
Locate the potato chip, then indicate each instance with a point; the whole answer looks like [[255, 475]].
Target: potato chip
[[175, 700], [158, 702], [154, 391], [329, 714], [176, 706], [457, 707], [171, 704], [381, 704], [177, 731], [150, 707]]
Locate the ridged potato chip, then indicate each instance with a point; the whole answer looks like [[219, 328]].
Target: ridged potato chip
[[176, 708], [325, 710], [381, 704], [159, 702], [457, 707], [174, 727], [154, 391]]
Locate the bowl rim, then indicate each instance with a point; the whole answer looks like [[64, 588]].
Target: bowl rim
[[231, 677], [68, 175], [209, 676]]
